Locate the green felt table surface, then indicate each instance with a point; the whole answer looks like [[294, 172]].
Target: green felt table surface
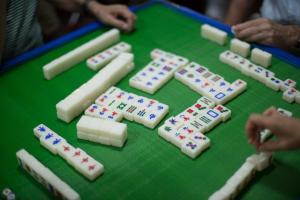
[[147, 167]]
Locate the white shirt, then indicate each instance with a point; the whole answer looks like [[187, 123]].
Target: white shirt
[[282, 11]]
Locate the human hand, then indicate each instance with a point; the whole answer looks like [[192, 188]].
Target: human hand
[[116, 15], [286, 130], [265, 31]]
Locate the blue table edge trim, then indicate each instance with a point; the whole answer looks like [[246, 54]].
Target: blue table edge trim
[[283, 55]]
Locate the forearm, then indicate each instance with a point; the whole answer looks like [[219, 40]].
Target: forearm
[[241, 10]]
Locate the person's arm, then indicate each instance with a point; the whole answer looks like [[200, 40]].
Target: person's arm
[[115, 15], [265, 31], [286, 130], [241, 10]]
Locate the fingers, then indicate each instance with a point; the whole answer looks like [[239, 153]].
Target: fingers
[[257, 36], [115, 22], [257, 123], [257, 30], [124, 14], [270, 111], [118, 16], [253, 130], [247, 24], [273, 145]]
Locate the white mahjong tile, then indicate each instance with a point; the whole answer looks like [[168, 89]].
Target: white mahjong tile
[[285, 112], [198, 125], [153, 117], [130, 98], [41, 130], [178, 138], [273, 83], [211, 118], [224, 56], [120, 95], [264, 135], [51, 141], [156, 53], [187, 129], [168, 70], [121, 47], [180, 61], [113, 103], [192, 66], [204, 86], [75, 156], [206, 75], [159, 107], [140, 115], [165, 131], [230, 93], [181, 75], [239, 85], [114, 116], [191, 148], [199, 106], [258, 73], [200, 139], [103, 112], [211, 92], [261, 160], [234, 61], [208, 102], [198, 69], [244, 66], [152, 84], [196, 83], [289, 95], [150, 70], [192, 112], [95, 138], [185, 117], [141, 102], [215, 78], [92, 169], [151, 104], [155, 63], [94, 61], [141, 76], [65, 150], [103, 99], [130, 112], [112, 91], [163, 75], [122, 106], [225, 112], [69, 155], [174, 122], [288, 83], [220, 97]]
